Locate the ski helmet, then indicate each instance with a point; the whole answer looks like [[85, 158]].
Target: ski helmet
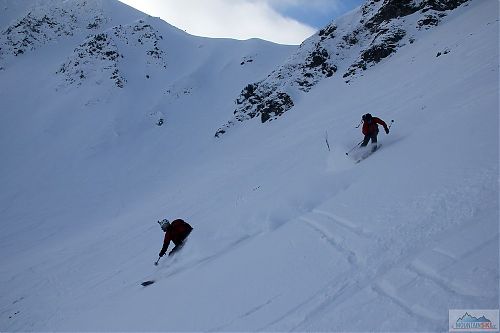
[[367, 117], [164, 224]]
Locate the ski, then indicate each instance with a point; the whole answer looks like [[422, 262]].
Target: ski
[[365, 156]]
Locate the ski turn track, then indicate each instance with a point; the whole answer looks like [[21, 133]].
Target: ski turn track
[[435, 270], [330, 238], [344, 223]]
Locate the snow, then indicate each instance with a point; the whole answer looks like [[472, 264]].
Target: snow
[[288, 236]]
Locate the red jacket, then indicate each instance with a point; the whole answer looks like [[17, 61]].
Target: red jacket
[[372, 127], [177, 233]]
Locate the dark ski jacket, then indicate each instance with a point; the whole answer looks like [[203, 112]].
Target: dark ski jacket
[[177, 233], [370, 128]]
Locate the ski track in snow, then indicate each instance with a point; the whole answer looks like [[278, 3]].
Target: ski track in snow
[[173, 268], [331, 296], [345, 223], [330, 238]]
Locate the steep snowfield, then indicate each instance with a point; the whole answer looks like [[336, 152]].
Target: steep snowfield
[[287, 235]]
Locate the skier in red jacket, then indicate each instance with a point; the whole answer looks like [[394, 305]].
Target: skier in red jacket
[[370, 129], [177, 232]]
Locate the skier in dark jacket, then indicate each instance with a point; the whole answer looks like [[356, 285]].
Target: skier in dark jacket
[[370, 129], [177, 232]]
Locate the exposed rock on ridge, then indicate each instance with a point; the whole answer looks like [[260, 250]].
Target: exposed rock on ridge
[[101, 52], [42, 25], [349, 45]]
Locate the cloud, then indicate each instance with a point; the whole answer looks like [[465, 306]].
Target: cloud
[[239, 19], [316, 13], [317, 5]]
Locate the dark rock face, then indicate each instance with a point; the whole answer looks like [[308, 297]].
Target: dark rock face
[[393, 9], [427, 21], [39, 27], [318, 59], [258, 100], [100, 52], [442, 5], [97, 48], [251, 101], [376, 32], [351, 39], [388, 37], [327, 32], [246, 60], [29, 27], [376, 52], [390, 10], [248, 94], [274, 108], [98, 45]]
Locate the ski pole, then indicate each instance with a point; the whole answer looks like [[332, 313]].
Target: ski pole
[[326, 139], [360, 122], [392, 122], [354, 147], [156, 263]]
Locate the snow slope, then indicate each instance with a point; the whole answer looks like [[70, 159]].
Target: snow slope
[[287, 235]]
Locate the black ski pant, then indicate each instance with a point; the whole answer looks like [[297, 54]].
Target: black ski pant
[[367, 138], [179, 246]]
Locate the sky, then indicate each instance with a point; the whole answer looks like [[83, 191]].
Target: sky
[[279, 21]]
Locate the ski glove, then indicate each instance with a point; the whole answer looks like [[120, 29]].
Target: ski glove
[[162, 253], [386, 130]]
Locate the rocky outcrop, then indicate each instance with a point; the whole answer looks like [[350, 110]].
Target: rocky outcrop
[[102, 46], [389, 27], [43, 25], [97, 48], [102, 53], [350, 46], [257, 100]]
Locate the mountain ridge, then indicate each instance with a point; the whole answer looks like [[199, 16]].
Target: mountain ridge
[[347, 46]]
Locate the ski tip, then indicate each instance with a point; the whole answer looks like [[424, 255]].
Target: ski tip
[[147, 283]]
